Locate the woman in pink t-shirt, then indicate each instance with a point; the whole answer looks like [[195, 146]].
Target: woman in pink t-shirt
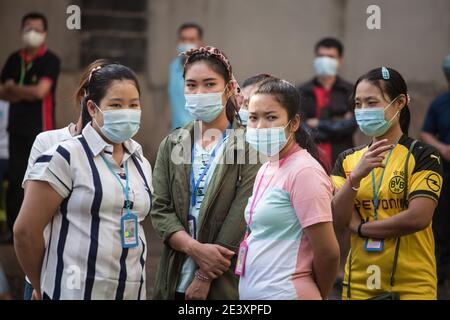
[[290, 250]]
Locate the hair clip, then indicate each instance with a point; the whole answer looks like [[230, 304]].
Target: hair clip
[[92, 72], [385, 73]]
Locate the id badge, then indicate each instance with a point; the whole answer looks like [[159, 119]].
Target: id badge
[[242, 255], [374, 245], [192, 226], [129, 230]]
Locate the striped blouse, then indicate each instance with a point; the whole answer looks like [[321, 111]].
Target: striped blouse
[[84, 258]]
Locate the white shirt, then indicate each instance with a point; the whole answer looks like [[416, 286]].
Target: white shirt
[[4, 137], [44, 141], [84, 258]]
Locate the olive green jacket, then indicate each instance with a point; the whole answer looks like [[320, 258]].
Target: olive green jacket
[[221, 218]]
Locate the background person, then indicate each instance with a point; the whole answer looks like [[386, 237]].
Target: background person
[[28, 82]]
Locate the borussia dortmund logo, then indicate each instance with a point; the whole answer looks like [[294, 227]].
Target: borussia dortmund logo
[[397, 184]]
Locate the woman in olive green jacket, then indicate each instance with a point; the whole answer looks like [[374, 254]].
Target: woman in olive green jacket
[[198, 209]]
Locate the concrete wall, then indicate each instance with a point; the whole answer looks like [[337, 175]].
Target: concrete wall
[[261, 36], [278, 37]]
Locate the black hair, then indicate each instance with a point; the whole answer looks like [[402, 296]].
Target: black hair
[[392, 88], [256, 79], [288, 96], [219, 67], [82, 89], [34, 16], [330, 43], [191, 25], [101, 79]]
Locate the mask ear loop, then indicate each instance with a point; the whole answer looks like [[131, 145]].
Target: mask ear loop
[[395, 115], [291, 134], [93, 118]]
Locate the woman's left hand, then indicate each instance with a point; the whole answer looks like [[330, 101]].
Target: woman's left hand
[[354, 222], [198, 290]]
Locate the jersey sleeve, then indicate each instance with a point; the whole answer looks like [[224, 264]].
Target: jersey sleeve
[[311, 194], [426, 178], [338, 176], [53, 166]]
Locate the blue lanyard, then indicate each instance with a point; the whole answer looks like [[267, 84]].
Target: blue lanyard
[[376, 191], [196, 184], [125, 189]]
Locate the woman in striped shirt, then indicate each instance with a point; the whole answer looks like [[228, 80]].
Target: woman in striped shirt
[[99, 185]]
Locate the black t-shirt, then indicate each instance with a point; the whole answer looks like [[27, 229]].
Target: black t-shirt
[[29, 118]]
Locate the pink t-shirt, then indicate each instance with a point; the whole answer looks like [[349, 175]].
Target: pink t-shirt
[[280, 256]]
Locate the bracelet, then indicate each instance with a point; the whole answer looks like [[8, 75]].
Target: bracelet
[[351, 182], [201, 276], [359, 229]]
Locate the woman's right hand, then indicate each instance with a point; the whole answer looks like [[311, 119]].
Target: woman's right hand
[[212, 259], [372, 158]]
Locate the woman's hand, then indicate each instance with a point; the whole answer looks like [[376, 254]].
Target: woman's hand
[[198, 290], [371, 159], [354, 222], [36, 295], [212, 259]]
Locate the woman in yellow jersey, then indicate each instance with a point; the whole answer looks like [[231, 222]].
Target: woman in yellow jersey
[[385, 194]]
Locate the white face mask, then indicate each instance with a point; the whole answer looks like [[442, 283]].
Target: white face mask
[[325, 66], [204, 106], [33, 38], [268, 141], [119, 125], [183, 47]]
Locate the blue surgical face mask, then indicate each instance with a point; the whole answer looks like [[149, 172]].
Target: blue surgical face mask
[[183, 47], [120, 125], [268, 141], [372, 122], [204, 106], [243, 114], [325, 66]]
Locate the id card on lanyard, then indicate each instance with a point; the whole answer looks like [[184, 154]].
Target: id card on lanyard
[[376, 245], [129, 229], [195, 184], [243, 247]]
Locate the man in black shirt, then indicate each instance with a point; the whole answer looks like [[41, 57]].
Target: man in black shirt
[[325, 102], [28, 82]]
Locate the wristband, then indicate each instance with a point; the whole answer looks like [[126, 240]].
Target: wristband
[[359, 229], [351, 183]]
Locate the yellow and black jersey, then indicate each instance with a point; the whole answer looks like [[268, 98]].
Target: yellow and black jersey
[[415, 277]]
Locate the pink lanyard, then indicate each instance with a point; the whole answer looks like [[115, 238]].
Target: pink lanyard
[[254, 202]]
